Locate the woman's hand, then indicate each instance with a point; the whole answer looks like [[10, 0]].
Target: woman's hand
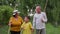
[[9, 24]]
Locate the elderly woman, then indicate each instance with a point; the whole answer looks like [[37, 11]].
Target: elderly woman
[[15, 23]]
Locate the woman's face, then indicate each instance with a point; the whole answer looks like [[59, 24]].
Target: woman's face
[[16, 14], [26, 19]]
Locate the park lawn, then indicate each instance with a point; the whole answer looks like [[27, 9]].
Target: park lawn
[[4, 29], [49, 29]]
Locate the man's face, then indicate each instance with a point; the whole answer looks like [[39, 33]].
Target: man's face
[[38, 9]]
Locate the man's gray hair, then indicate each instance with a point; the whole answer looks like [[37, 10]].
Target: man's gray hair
[[38, 6]]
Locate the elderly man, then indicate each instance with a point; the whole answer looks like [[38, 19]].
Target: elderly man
[[39, 20]]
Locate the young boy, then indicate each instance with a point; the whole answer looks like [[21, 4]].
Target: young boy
[[27, 26]]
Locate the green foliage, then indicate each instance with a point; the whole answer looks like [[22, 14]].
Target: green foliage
[[52, 10], [5, 13]]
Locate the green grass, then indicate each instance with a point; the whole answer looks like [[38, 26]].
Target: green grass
[[3, 30], [50, 29]]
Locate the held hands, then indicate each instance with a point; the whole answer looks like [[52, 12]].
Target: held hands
[[32, 29]]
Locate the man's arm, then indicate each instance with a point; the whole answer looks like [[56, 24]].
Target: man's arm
[[44, 18]]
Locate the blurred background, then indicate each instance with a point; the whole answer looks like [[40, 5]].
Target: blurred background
[[27, 7]]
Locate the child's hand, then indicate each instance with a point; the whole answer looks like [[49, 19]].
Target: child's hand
[[32, 30], [23, 28]]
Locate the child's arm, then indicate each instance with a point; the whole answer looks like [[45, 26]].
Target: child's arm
[[22, 26], [31, 27]]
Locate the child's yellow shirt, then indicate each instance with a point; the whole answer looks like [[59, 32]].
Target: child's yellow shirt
[[26, 28]]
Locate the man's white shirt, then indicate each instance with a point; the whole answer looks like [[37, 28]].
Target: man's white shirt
[[37, 20]]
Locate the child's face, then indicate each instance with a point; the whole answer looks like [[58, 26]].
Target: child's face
[[26, 19]]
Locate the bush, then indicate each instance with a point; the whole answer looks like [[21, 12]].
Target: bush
[[5, 13]]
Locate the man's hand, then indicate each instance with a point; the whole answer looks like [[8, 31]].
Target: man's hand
[[42, 20]]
